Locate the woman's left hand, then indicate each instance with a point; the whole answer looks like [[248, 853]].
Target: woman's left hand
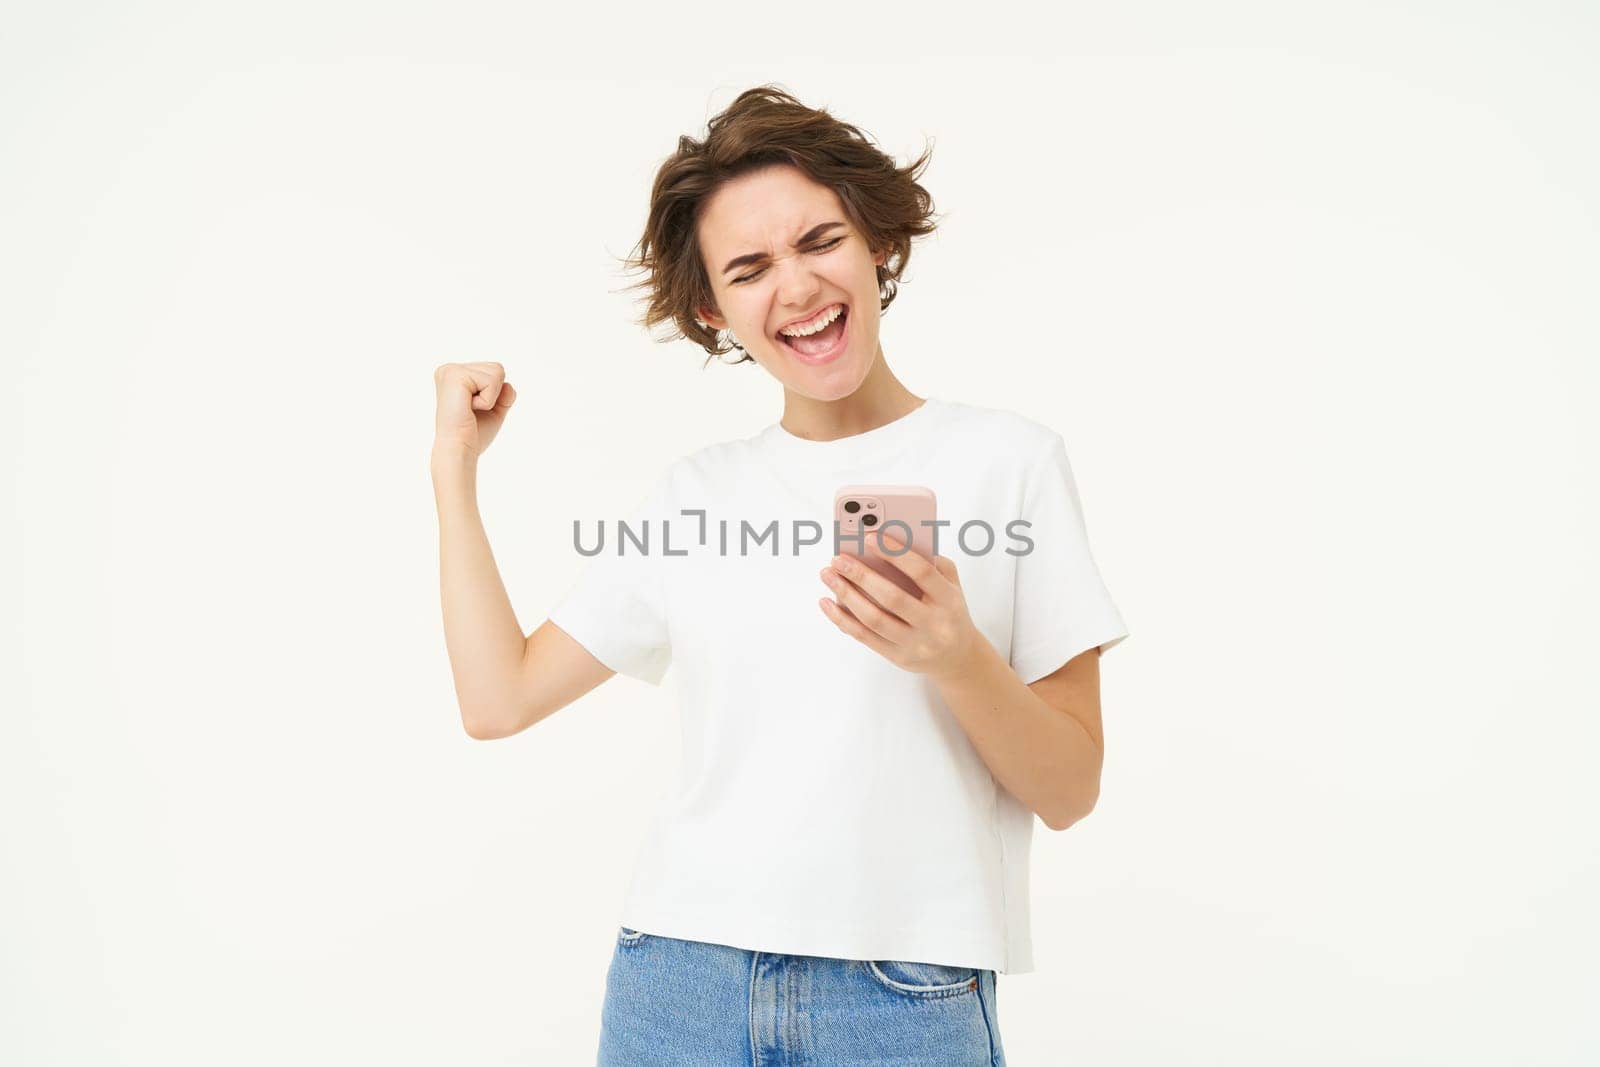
[[931, 636]]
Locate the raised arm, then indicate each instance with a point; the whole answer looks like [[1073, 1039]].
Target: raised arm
[[504, 682]]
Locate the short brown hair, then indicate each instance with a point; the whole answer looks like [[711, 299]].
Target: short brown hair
[[765, 126]]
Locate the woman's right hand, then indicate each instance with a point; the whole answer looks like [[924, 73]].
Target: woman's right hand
[[473, 399]]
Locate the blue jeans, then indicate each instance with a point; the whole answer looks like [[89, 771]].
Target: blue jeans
[[675, 1002]]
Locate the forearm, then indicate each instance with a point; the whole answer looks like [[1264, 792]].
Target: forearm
[[1042, 756], [485, 643]]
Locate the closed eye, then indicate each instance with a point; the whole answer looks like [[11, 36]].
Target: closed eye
[[826, 246]]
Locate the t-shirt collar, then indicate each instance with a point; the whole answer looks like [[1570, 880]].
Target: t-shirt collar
[[853, 450]]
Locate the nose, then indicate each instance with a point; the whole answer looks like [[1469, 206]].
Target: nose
[[797, 283]]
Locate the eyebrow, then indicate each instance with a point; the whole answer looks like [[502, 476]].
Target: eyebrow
[[810, 235]]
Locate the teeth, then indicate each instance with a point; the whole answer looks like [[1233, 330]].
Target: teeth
[[819, 323]]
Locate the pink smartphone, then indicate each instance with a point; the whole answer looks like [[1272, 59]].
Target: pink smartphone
[[864, 509]]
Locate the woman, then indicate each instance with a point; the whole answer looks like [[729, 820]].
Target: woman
[[842, 870]]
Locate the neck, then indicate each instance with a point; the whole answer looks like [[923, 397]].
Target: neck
[[879, 400]]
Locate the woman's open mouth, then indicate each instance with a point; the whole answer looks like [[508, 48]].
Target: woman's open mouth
[[824, 345]]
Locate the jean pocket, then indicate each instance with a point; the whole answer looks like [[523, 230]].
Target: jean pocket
[[927, 980], [627, 937]]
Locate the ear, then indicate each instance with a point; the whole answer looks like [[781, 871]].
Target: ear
[[880, 258], [711, 318]]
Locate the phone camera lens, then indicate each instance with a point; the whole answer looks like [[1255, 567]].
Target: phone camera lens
[[869, 520], [852, 506]]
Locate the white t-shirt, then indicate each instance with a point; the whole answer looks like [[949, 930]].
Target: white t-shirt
[[828, 803]]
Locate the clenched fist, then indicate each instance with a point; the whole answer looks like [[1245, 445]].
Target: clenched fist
[[473, 399]]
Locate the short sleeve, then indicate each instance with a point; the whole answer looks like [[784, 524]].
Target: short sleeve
[[1061, 607], [616, 609]]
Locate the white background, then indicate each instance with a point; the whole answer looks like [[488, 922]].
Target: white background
[[1308, 289]]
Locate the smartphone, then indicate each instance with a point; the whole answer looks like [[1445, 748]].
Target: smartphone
[[866, 509]]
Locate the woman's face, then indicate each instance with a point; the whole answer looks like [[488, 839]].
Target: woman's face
[[773, 258]]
